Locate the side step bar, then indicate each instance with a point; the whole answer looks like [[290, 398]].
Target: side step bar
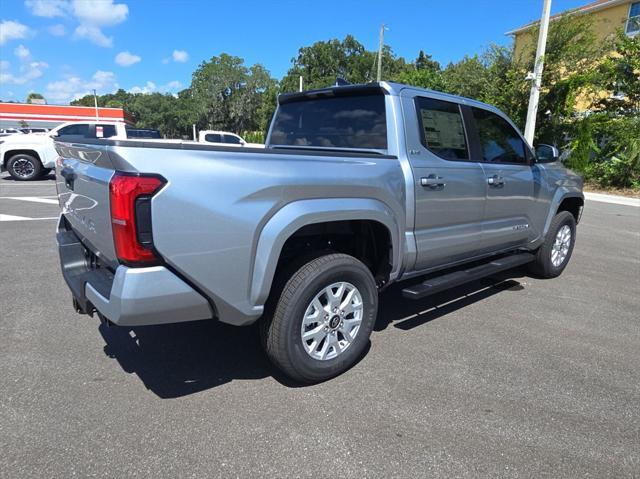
[[457, 278]]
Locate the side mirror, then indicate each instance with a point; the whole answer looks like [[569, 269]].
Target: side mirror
[[547, 154]]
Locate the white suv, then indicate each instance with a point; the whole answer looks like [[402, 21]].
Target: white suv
[[28, 157]]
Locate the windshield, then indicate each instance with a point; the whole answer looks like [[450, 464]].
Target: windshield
[[357, 122]]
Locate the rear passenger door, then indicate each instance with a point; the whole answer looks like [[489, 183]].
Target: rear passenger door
[[448, 184], [509, 181]]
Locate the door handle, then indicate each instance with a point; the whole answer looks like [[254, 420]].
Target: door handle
[[432, 181], [495, 181]]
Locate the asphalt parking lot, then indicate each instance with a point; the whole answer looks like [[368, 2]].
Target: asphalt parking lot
[[508, 377]]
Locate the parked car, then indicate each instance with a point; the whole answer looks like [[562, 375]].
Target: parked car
[[10, 131], [28, 157], [358, 187], [34, 130], [225, 138]]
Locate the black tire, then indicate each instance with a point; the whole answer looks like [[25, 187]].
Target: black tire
[[543, 265], [281, 331], [23, 167]]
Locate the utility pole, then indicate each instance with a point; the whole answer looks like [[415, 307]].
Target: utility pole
[[380, 45], [194, 133], [300, 86], [95, 102], [536, 77]]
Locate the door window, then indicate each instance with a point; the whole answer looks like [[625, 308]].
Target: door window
[[442, 129], [213, 138], [232, 139], [499, 141], [74, 130]]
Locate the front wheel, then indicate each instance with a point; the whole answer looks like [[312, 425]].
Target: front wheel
[[554, 254], [323, 318], [23, 167]]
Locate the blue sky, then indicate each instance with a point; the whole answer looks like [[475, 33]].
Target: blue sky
[[65, 48]]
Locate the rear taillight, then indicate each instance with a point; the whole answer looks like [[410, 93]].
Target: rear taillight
[[130, 198]]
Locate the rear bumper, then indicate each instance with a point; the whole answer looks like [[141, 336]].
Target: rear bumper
[[130, 296]]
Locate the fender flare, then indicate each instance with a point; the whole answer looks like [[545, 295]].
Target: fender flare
[[560, 195], [294, 216]]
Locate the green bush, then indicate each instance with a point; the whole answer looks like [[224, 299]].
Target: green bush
[[253, 136], [613, 160]]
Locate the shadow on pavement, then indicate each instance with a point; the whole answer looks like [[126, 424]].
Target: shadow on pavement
[[407, 314], [49, 176], [176, 360]]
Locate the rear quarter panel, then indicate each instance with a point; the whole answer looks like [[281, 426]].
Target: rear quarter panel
[[209, 218]]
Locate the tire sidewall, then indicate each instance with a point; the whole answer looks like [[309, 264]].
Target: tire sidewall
[[348, 271], [37, 167], [568, 220]]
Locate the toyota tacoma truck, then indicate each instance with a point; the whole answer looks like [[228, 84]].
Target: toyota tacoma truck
[[358, 187]]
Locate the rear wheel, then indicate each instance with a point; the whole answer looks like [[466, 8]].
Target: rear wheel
[[24, 167], [554, 254], [323, 318]]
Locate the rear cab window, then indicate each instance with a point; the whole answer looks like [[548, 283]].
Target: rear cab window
[[355, 121], [142, 133]]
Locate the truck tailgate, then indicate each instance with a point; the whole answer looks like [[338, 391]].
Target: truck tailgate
[[83, 173]]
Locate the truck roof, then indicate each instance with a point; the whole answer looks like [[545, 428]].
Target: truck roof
[[387, 88]]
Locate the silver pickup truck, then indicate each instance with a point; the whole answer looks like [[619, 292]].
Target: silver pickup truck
[[359, 186]]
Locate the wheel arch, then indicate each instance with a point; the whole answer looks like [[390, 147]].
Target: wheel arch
[[20, 151], [565, 200], [296, 216]]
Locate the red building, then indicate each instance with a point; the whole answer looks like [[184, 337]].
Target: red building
[[15, 115]]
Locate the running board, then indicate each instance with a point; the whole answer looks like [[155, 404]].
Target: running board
[[457, 278]]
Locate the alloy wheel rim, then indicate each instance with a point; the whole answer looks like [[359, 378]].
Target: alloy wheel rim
[[332, 320], [560, 249], [23, 168]]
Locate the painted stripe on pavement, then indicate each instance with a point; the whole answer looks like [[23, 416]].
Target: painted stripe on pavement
[[4, 217], [32, 199]]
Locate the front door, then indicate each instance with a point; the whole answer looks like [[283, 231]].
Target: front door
[[449, 187], [506, 163]]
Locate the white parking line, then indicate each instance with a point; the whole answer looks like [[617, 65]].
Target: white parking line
[[4, 217], [614, 199], [32, 199]]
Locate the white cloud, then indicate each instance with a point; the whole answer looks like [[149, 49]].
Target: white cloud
[[73, 87], [28, 69], [92, 17], [11, 30], [180, 56], [93, 34], [126, 59], [102, 13], [57, 30], [48, 8], [22, 52], [151, 87]]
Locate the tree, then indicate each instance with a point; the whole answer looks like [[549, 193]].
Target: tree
[[34, 96], [619, 76], [229, 95], [425, 62], [424, 73], [323, 62]]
